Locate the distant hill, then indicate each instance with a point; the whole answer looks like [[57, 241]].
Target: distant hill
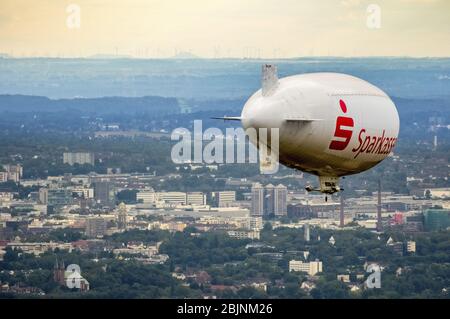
[[185, 55], [408, 106], [187, 76], [110, 56], [103, 105]]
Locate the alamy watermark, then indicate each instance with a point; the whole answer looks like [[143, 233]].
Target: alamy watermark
[[374, 279], [73, 277], [373, 16], [73, 20], [229, 148]]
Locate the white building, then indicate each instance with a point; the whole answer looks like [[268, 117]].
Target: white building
[[80, 158], [84, 192], [411, 246], [146, 196], [196, 198], [171, 197], [244, 234], [344, 278], [3, 177], [311, 268], [171, 226], [143, 250], [255, 223], [39, 248], [12, 173], [224, 198], [6, 196]]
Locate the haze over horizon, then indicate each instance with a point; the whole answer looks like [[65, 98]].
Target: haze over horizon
[[208, 78], [197, 57], [225, 29]]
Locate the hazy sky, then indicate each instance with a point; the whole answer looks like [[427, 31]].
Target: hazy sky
[[225, 28]]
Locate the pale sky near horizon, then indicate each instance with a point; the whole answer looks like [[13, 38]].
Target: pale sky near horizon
[[225, 28]]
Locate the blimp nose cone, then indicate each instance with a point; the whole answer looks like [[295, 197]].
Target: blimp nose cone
[[247, 118], [260, 112]]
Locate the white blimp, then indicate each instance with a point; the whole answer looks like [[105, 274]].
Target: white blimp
[[329, 124]]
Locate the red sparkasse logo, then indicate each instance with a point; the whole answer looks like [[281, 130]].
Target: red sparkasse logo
[[369, 144], [339, 132]]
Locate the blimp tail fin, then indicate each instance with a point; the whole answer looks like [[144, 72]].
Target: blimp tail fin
[[269, 79], [227, 118]]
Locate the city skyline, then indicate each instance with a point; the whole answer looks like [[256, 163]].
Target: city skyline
[[97, 202]]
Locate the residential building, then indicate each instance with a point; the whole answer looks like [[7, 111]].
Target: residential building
[[344, 278], [255, 223], [224, 198], [257, 208], [269, 200], [95, 227], [104, 193], [80, 158], [122, 216], [12, 173], [280, 200], [55, 197], [311, 268], [411, 246], [6, 197], [171, 226], [172, 197], [146, 196], [196, 198], [39, 248], [84, 192], [244, 234]]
